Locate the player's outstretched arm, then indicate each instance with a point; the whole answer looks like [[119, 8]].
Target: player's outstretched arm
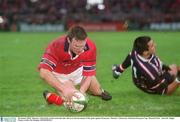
[[117, 70]]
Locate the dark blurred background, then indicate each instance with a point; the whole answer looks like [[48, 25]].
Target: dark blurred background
[[95, 15]]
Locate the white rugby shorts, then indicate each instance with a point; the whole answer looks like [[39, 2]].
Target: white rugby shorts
[[75, 76]]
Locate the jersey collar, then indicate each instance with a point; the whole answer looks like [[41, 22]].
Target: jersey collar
[[144, 59], [66, 46]]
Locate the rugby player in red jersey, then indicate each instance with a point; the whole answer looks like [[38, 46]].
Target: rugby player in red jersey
[[148, 72], [68, 61]]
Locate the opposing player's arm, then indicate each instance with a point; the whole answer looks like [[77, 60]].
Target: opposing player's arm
[[118, 69]]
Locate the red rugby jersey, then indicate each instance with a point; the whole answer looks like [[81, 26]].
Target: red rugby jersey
[[57, 58]]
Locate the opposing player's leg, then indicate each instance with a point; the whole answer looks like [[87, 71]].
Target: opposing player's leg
[[96, 90], [175, 71], [178, 74], [172, 87]]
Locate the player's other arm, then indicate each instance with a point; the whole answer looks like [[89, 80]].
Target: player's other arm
[[117, 69], [85, 83], [47, 75], [89, 68]]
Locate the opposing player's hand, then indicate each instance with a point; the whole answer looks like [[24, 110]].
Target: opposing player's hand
[[115, 71]]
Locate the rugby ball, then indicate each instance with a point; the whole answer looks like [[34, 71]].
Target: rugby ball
[[78, 103]]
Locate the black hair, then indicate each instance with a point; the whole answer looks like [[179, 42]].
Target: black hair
[[141, 44], [77, 32]]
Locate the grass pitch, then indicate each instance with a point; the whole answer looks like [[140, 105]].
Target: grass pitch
[[21, 88]]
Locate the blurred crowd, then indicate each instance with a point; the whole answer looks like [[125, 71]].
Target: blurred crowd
[[137, 12]]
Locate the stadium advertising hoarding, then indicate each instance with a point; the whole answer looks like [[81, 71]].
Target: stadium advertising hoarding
[[165, 26], [101, 26], [41, 28]]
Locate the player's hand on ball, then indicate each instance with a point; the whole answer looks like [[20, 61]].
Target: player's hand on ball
[[78, 104], [115, 71], [68, 92]]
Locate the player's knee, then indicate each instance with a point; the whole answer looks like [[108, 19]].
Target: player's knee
[[174, 69], [173, 66]]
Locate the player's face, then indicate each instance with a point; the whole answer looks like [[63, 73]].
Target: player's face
[[152, 47], [77, 46]]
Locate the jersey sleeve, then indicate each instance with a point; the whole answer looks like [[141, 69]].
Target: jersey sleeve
[[125, 64], [49, 59], [89, 64]]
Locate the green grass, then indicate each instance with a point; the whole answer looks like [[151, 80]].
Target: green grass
[[21, 88]]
